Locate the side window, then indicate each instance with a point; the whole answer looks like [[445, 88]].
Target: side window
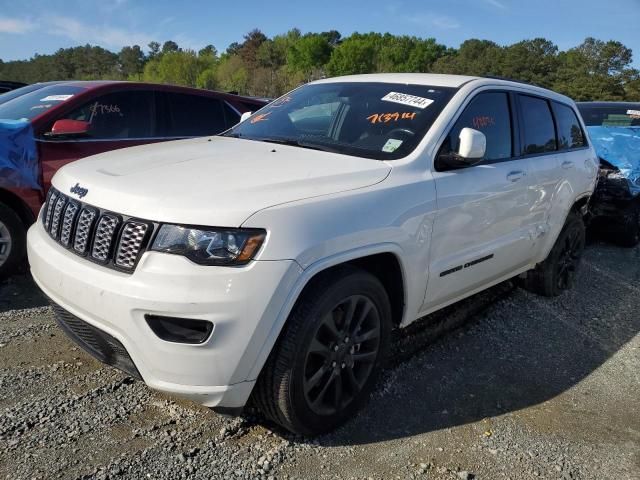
[[194, 115], [537, 123], [118, 115], [489, 113], [569, 130]]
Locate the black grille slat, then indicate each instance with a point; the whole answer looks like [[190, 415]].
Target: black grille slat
[[56, 216], [51, 201], [83, 230], [103, 238], [100, 236], [95, 342], [131, 240], [68, 222]]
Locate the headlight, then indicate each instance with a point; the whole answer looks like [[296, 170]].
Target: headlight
[[210, 247]]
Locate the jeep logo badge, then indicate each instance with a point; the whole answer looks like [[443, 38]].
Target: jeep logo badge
[[78, 190]]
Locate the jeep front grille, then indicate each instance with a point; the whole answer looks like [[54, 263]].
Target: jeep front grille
[[131, 239], [114, 240]]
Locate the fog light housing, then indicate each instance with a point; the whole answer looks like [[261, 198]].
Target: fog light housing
[[180, 330]]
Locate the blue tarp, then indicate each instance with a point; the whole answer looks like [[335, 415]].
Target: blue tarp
[[620, 146], [18, 155]]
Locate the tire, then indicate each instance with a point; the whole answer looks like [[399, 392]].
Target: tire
[[557, 273], [304, 374], [630, 233], [13, 239]]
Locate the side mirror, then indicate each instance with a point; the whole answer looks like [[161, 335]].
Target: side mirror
[[244, 116], [66, 127], [473, 145]]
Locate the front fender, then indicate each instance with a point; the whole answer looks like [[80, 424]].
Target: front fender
[[303, 280]]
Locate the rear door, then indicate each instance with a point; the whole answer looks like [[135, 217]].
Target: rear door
[[117, 120], [482, 230], [540, 147]]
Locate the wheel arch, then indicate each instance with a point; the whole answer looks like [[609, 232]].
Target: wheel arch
[[14, 202], [580, 206], [373, 259]]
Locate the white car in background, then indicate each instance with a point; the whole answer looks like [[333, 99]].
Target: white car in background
[[275, 259]]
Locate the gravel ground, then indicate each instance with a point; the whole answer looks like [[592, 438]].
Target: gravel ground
[[528, 387]]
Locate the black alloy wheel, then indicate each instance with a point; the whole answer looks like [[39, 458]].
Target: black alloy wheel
[[342, 354]]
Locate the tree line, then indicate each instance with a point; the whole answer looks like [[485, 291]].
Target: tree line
[[268, 67]]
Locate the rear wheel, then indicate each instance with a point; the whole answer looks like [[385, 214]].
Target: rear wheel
[[326, 360], [558, 272], [12, 241]]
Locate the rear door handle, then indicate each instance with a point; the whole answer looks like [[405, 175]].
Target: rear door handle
[[567, 164], [515, 176]]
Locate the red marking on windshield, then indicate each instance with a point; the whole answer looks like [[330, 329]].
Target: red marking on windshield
[[260, 118]]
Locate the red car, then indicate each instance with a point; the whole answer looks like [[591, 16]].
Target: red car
[[72, 120]]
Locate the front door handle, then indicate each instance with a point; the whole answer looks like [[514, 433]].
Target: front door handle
[[567, 164], [515, 176]]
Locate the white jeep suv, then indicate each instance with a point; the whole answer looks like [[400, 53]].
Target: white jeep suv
[[273, 261]]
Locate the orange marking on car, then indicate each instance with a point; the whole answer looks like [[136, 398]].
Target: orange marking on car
[[260, 118]]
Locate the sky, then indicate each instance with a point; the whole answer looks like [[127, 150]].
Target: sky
[[28, 27]]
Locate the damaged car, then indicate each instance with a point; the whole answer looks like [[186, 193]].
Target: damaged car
[[614, 129], [269, 264]]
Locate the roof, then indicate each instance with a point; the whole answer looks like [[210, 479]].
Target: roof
[[442, 80], [91, 84], [429, 79]]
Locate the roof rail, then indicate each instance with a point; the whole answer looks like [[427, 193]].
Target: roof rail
[[507, 79]]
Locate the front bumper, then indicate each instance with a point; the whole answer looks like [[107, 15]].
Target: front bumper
[[243, 304]]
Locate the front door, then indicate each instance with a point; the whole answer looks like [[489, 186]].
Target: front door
[[482, 230]]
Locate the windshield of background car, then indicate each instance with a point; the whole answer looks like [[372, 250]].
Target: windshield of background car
[[30, 105], [5, 97], [383, 121], [611, 116]]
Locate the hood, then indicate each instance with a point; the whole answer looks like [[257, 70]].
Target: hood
[[619, 147], [215, 181]]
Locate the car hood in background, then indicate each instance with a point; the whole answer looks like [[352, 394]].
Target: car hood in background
[[620, 146], [214, 182]]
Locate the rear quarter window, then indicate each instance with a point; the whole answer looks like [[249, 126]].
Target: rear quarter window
[[570, 134]]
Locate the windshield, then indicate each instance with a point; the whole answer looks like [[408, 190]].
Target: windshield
[[30, 105], [383, 121], [611, 115], [5, 97]]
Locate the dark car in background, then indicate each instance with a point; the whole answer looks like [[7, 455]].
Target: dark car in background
[[9, 86], [51, 124], [614, 129]]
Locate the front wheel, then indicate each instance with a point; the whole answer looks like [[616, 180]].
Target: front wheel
[[558, 272], [12, 241], [324, 365]]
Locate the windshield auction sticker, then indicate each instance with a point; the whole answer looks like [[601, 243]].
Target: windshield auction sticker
[[56, 98], [405, 99], [391, 145], [633, 113]]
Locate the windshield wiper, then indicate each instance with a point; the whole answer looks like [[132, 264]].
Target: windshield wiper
[[295, 143]]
